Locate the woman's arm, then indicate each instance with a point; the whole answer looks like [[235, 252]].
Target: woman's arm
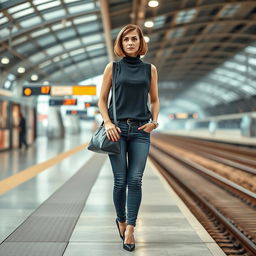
[[154, 100], [111, 129], [104, 93]]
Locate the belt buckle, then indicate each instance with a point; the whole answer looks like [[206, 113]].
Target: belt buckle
[[128, 121]]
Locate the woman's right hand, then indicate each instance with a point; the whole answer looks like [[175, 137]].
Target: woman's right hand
[[112, 131]]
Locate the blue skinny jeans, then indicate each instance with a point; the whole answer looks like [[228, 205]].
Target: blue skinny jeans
[[128, 168]]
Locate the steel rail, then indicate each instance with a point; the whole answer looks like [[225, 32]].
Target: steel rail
[[160, 157]]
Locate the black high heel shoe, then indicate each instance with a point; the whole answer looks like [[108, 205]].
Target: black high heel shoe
[[119, 229], [128, 247]]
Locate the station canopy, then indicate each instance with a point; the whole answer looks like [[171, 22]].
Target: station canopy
[[204, 50]]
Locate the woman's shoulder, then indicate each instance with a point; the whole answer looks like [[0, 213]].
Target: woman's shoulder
[[150, 65]]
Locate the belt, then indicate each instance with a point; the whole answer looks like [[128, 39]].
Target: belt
[[132, 121]]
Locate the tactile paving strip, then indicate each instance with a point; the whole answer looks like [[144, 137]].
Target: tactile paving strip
[[48, 229]]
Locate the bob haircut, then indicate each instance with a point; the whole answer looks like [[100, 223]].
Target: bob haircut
[[118, 48]]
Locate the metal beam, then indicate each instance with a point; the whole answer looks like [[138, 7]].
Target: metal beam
[[107, 27]]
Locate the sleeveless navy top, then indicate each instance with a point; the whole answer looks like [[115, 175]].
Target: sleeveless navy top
[[132, 87]]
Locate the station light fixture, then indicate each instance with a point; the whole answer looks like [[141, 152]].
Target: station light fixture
[[21, 70], [147, 39], [153, 3], [149, 24], [195, 115], [5, 60], [34, 77]]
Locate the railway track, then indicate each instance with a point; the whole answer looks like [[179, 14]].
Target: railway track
[[234, 156], [226, 209]]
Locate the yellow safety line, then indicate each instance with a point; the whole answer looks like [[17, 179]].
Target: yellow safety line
[[27, 174]]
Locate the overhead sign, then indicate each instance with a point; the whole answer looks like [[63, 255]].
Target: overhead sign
[[76, 112], [59, 90], [183, 115], [67, 102], [90, 104], [84, 90], [36, 90]]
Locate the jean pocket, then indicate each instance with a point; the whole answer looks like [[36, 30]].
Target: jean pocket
[[145, 132]]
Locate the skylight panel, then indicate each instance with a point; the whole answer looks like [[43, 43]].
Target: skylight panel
[[229, 10], [234, 82], [56, 59], [250, 49], [186, 16], [84, 29], [231, 74], [40, 32], [46, 40], [70, 1], [248, 89], [55, 14], [234, 65], [71, 69], [217, 77], [36, 2], [252, 61], [66, 33], [72, 44], [37, 57], [253, 83], [54, 50], [19, 7], [24, 48], [177, 33], [23, 13], [240, 57], [85, 19], [82, 7], [214, 28], [76, 52], [229, 96], [31, 22], [44, 64], [94, 47], [3, 20], [159, 21], [61, 25], [84, 64], [64, 56], [4, 32], [48, 5], [91, 39], [19, 40]]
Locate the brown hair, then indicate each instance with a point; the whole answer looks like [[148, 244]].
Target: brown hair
[[118, 48]]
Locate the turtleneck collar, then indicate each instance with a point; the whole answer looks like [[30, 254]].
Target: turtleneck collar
[[132, 60]]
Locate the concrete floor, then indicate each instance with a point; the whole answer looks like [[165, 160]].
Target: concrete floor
[[164, 226]]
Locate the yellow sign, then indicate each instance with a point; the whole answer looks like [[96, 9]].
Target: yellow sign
[[61, 90], [45, 89], [84, 90], [181, 115], [27, 91]]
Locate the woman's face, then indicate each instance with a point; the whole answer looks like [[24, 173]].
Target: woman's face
[[131, 43]]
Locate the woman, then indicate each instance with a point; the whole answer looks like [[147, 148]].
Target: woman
[[135, 80]]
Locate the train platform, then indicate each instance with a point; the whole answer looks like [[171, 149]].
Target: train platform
[[225, 136], [56, 199]]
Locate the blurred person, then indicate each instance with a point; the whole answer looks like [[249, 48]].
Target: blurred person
[[22, 131], [135, 80]]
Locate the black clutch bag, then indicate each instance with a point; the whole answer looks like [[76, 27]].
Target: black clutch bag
[[99, 142]]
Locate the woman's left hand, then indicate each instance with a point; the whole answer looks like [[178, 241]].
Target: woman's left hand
[[148, 127]]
